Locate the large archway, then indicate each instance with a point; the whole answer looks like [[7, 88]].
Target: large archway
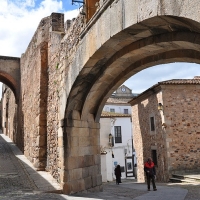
[[154, 41], [164, 45]]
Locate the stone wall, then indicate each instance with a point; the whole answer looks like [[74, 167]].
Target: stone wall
[[12, 116], [176, 137], [34, 96], [183, 128], [61, 48], [67, 73], [9, 112], [144, 140]]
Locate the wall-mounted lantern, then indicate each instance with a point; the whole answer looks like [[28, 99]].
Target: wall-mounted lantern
[[110, 137], [111, 142], [164, 125], [160, 106]]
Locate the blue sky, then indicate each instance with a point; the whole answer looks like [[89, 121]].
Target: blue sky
[[151, 76], [20, 18]]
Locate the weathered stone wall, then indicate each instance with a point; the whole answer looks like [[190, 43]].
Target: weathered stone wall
[[145, 140], [4, 101], [66, 77], [176, 138], [62, 48], [182, 120], [33, 94], [12, 112], [9, 111], [44, 67]]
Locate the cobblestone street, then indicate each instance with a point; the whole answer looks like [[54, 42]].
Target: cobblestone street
[[18, 180]]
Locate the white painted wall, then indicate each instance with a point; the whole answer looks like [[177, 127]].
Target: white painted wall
[[118, 108], [103, 168], [107, 127]]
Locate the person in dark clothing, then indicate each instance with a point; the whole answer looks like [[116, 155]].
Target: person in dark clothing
[[118, 174], [149, 168]]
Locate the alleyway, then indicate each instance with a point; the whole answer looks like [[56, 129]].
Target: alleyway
[[19, 180]]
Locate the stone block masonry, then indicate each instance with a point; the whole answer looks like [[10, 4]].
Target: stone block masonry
[[176, 136], [69, 70]]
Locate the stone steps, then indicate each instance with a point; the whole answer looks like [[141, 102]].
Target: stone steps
[[180, 178]]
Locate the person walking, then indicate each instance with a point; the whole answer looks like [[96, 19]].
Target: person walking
[[118, 174], [149, 168]]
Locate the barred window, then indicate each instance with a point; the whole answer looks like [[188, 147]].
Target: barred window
[[118, 134], [125, 111]]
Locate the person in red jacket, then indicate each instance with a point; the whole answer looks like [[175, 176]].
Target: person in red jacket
[[149, 168]]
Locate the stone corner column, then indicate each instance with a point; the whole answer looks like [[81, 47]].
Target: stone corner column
[[82, 161]]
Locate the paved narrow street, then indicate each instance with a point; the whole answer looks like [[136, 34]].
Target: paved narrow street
[[19, 180]]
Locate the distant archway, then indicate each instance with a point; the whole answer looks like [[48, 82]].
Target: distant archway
[[10, 74]]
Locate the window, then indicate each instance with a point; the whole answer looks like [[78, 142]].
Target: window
[[112, 110], [152, 124], [154, 156], [125, 111], [118, 134]]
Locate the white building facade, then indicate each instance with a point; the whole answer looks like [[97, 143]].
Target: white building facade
[[116, 136]]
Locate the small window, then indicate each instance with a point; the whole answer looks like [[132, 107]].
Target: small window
[[125, 111], [152, 124], [118, 134], [154, 156], [112, 110]]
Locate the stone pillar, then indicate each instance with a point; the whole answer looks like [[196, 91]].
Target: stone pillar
[[82, 169]]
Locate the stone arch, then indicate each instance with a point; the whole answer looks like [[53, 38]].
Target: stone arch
[[142, 44], [10, 73], [90, 90]]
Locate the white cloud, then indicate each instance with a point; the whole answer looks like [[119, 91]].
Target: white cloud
[[19, 20]]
